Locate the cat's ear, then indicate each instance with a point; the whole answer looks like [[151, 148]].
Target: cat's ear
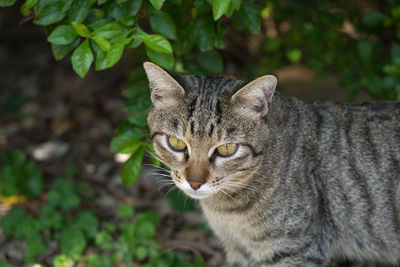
[[165, 90], [254, 98]]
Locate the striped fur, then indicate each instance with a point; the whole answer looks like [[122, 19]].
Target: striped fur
[[309, 184]]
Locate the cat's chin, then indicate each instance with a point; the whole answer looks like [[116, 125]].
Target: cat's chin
[[198, 195]]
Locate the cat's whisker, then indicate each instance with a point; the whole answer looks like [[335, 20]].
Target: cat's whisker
[[230, 182], [158, 174], [163, 183], [155, 156], [157, 167], [170, 190]]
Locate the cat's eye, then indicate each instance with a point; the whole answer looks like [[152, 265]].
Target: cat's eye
[[227, 150], [175, 144]]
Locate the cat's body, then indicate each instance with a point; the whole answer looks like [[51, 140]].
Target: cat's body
[[307, 183]]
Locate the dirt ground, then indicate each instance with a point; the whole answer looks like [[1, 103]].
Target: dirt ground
[[60, 119]]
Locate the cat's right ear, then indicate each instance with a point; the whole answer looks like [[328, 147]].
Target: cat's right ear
[[165, 90]]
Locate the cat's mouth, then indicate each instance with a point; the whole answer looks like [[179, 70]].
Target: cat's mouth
[[202, 192]]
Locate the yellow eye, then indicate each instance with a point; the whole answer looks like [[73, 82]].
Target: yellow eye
[[227, 150], [175, 143]]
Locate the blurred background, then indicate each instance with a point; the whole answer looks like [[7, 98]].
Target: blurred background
[[78, 183]]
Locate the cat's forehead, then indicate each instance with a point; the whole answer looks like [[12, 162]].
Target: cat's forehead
[[210, 86]]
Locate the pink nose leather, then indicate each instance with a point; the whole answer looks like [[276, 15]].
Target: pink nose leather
[[196, 183]]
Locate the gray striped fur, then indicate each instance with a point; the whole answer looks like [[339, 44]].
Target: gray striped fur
[[312, 182]]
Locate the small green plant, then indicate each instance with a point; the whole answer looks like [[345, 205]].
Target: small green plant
[[60, 219], [74, 229], [19, 175], [133, 240]]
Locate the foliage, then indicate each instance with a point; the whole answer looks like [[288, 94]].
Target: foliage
[[19, 176], [63, 220], [60, 219], [99, 31], [357, 41], [135, 243]]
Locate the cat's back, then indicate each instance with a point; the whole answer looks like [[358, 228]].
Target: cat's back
[[358, 162], [359, 125]]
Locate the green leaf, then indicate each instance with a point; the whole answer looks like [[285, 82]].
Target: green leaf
[[108, 30], [4, 3], [50, 217], [50, 14], [98, 12], [145, 229], [82, 58], [62, 35], [156, 42], [62, 261], [60, 51], [81, 29], [14, 223], [66, 5], [8, 183], [205, 34], [141, 253], [139, 118], [373, 18], [157, 3], [392, 69], [251, 16], [132, 167], [221, 32], [210, 60], [88, 223], [119, 141], [102, 42], [101, 60], [134, 7], [135, 43], [220, 7], [62, 194], [72, 242], [126, 210], [294, 55], [118, 12], [130, 146], [180, 201], [19, 175], [364, 50], [162, 23], [395, 50], [25, 8], [198, 261], [162, 59], [104, 240], [79, 11], [35, 247], [115, 53]]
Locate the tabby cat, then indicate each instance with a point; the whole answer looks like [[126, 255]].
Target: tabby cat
[[281, 182]]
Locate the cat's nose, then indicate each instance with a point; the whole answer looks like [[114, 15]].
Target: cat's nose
[[195, 183]]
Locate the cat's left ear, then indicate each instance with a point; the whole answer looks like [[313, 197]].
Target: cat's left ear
[[254, 98], [165, 90]]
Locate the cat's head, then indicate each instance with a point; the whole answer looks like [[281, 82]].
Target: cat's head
[[209, 130]]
